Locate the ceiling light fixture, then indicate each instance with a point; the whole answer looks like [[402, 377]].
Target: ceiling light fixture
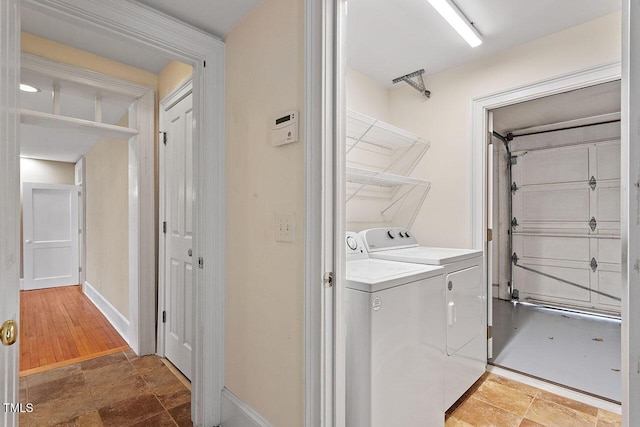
[[28, 88], [457, 20]]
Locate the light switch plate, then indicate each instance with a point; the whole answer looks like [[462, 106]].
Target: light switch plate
[[285, 227]]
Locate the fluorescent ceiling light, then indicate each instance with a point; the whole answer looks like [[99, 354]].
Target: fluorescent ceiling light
[[28, 88], [457, 20]]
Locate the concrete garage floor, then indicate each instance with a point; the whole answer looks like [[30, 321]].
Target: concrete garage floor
[[570, 349]]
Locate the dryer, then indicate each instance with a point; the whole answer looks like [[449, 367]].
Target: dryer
[[395, 340], [465, 301]]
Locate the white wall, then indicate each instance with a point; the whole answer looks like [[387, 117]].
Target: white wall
[[264, 283], [445, 119]]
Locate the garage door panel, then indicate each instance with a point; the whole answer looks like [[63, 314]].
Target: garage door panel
[[540, 286], [609, 283], [608, 205], [556, 203], [608, 156], [553, 166], [553, 247], [609, 251]]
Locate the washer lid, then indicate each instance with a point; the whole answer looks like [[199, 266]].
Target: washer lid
[[426, 255], [371, 275]]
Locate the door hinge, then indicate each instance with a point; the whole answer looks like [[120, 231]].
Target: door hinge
[[514, 187], [593, 183], [489, 332], [489, 235], [164, 227], [164, 316], [204, 64], [327, 279], [594, 265], [200, 262], [514, 222], [80, 269], [164, 137]]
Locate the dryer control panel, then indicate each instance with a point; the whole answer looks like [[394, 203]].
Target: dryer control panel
[[379, 239]]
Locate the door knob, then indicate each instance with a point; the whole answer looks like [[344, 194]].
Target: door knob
[[9, 332], [190, 252]]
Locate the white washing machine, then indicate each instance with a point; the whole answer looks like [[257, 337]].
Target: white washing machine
[[465, 301], [395, 340]]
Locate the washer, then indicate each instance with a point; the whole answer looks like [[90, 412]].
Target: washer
[[395, 338], [465, 301]]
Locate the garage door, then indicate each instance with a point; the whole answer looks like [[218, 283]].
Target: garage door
[[566, 209]]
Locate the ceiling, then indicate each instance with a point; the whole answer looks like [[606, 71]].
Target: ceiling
[[593, 104], [388, 39]]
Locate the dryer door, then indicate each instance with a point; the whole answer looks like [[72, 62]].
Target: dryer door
[[464, 307]]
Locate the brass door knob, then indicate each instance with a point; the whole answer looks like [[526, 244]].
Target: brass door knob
[[9, 332]]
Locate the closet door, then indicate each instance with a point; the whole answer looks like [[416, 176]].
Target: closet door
[[566, 204]]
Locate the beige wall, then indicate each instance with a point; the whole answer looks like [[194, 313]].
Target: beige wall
[[107, 220], [43, 172], [171, 76], [264, 278], [445, 119], [365, 95], [68, 55]]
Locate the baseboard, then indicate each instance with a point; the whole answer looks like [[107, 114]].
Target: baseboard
[[556, 389], [117, 320], [236, 413]]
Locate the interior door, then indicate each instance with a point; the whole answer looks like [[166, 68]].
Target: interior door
[[50, 224], [9, 201], [178, 232]]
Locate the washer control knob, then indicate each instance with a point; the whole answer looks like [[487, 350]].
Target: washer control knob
[[406, 234], [352, 243], [401, 234], [391, 234]]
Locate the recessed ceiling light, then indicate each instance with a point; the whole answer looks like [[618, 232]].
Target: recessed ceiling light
[[457, 20], [28, 88]]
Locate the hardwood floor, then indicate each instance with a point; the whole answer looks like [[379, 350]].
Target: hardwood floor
[[60, 326]]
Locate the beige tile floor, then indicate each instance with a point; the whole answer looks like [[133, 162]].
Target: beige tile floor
[[495, 401], [124, 390], [119, 390]]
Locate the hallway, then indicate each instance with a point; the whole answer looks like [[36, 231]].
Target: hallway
[[60, 326]]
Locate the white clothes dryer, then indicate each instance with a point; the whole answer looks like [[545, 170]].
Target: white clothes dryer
[[395, 336], [465, 301]]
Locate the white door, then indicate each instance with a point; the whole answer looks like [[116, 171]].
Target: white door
[[567, 206], [50, 224], [9, 201], [178, 233]]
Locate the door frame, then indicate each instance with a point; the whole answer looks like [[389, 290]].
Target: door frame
[[175, 96], [324, 276], [164, 34], [481, 138]]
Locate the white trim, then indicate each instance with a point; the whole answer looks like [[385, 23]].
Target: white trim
[[9, 197], [21, 284], [166, 103], [556, 389], [630, 212], [117, 320], [137, 23], [236, 413]]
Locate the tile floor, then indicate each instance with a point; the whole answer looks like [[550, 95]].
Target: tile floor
[[496, 401], [119, 390]]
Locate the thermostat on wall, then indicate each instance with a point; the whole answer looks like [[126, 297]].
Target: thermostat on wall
[[284, 129]]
